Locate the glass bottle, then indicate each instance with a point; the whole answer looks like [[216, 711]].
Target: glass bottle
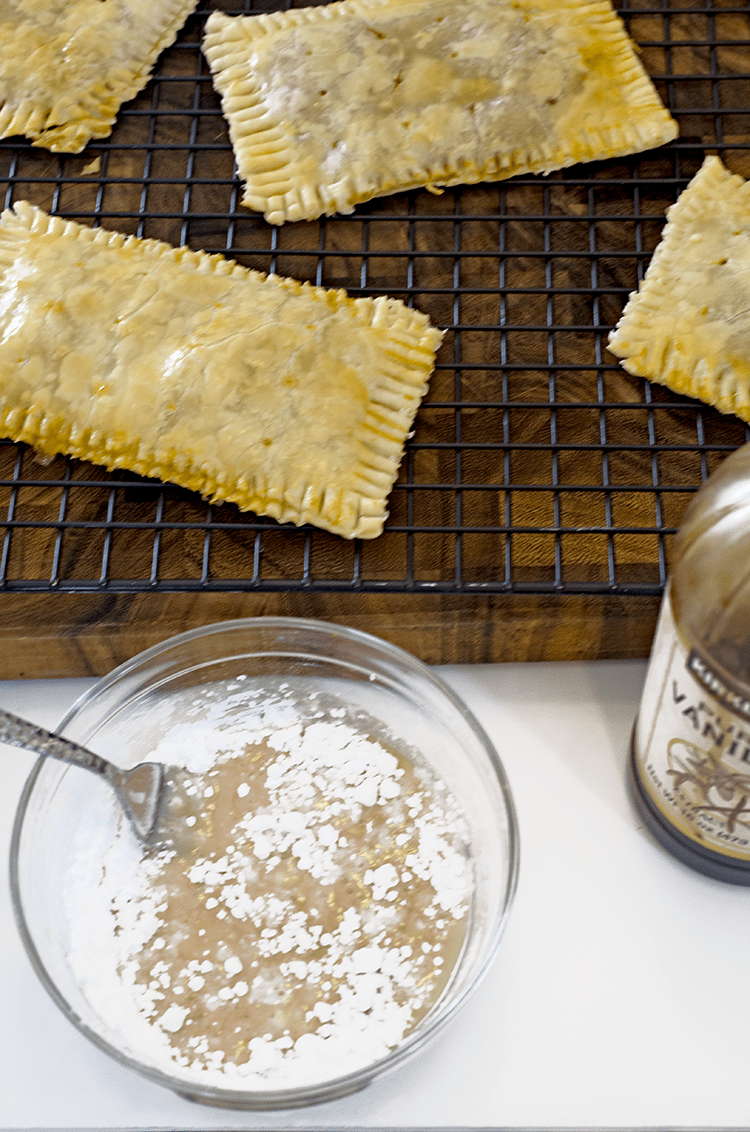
[[690, 759]]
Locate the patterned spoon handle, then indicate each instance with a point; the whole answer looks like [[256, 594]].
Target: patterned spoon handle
[[21, 733], [139, 790]]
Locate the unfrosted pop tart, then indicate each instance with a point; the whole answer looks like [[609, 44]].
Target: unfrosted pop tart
[[330, 106], [66, 66], [688, 326], [289, 400]]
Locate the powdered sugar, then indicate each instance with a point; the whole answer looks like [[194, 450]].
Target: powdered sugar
[[318, 921]]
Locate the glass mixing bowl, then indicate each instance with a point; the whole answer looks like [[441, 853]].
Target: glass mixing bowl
[[240, 664]]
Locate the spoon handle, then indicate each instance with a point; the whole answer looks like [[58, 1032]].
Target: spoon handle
[[20, 733]]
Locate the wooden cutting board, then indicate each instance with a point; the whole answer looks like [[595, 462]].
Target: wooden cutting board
[[89, 634], [529, 423]]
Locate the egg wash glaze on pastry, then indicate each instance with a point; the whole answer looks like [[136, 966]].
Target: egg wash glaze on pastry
[[688, 324], [66, 66], [289, 400], [333, 105]]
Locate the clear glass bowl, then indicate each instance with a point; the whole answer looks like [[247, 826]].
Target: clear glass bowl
[[120, 717]]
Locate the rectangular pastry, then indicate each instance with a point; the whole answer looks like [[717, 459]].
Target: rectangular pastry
[[287, 399], [333, 105], [688, 325], [66, 66]]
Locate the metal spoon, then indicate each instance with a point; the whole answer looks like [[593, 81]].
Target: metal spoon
[[139, 790]]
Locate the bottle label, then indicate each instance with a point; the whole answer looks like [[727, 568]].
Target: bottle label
[[693, 744]]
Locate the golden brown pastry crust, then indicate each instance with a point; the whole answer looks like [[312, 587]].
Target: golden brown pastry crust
[[688, 326], [66, 66], [289, 400], [333, 105]]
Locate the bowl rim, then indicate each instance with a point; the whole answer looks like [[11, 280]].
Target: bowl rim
[[331, 1088]]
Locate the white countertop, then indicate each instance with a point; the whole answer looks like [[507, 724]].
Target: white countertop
[[616, 999]]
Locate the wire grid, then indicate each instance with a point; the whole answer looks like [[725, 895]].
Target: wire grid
[[537, 464]]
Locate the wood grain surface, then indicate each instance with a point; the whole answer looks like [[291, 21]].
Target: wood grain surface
[[534, 511], [88, 634]]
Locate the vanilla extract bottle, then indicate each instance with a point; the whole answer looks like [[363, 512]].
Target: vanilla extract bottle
[[690, 758]]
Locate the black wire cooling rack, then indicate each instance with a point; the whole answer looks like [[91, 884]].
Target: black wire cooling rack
[[537, 464]]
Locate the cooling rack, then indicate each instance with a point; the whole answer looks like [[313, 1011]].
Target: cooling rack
[[537, 465]]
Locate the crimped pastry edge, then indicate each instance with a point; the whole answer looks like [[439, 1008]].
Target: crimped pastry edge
[[643, 340], [359, 512], [100, 105], [275, 186]]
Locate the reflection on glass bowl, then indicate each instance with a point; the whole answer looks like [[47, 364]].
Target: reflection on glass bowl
[[355, 864]]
